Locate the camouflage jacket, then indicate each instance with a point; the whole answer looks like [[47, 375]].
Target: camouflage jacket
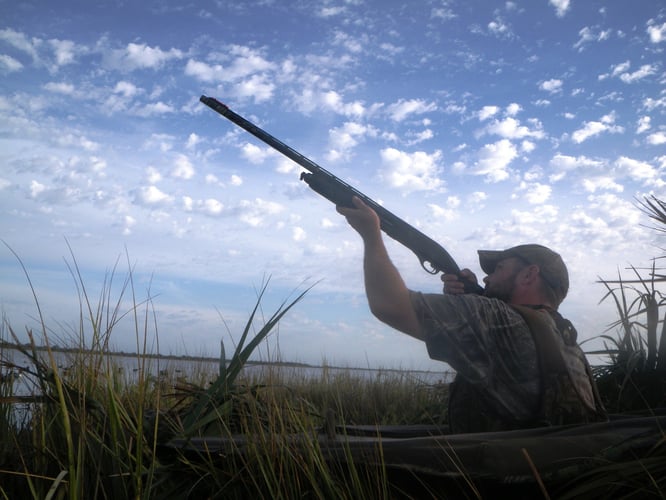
[[501, 383]]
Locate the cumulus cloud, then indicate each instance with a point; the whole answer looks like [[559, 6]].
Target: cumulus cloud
[[153, 109], [643, 124], [255, 212], [183, 168], [400, 110], [237, 63], [60, 88], [594, 128], [152, 195], [487, 112], [601, 183], [342, 140], [656, 138], [8, 64], [65, 51], [561, 7], [510, 128], [493, 160], [566, 163], [657, 32], [535, 193], [640, 171], [21, 42], [589, 35], [553, 86], [137, 56], [622, 72], [411, 172], [448, 212], [255, 154]]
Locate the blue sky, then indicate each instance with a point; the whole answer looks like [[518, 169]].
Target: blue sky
[[484, 124]]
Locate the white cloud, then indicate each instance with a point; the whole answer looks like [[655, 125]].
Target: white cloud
[[213, 207], [594, 128], [141, 56], [36, 188], [153, 176], [256, 211], [535, 192], [298, 234], [639, 171], [447, 213], [255, 154], [153, 108], [151, 195], [443, 13], [657, 138], [643, 124], [601, 183], [127, 89], [403, 108], [183, 168], [642, 72], [510, 128], [561, 6], [656, 32], [259, 87], [9, 64], [488, 112], [342, 140], [243, 62], [21, 42], [553, 86], [651, 104], [562, 164], [621, 71], [494, 160], [64, 51], [499, 28], [60, 88], [412, 172], [588, 35], [513, 109]]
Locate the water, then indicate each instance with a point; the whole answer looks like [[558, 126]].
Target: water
[[15, 368]]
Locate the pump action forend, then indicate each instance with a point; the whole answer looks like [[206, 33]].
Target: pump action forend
[[432, 256]]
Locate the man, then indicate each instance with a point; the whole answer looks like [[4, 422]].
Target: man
[[517, 361]]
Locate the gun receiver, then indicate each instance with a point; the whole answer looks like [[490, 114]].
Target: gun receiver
[[432, 256]]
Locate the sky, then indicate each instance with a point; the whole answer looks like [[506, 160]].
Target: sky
[[483, 124]]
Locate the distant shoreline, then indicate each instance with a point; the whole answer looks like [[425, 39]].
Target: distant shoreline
[[189, 357]]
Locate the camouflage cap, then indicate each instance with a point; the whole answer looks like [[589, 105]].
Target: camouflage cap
[[551, 266]]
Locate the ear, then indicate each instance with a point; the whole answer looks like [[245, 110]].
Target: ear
[[530, 274]]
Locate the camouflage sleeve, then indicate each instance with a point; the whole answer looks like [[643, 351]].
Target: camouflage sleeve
[[483, 340]]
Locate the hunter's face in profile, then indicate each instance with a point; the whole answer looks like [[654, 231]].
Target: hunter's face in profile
[[501, 283]]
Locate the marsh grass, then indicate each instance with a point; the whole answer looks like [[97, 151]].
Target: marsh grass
[[635, 377], [92, 430]]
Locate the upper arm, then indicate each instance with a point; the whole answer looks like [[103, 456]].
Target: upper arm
[[401, 316]]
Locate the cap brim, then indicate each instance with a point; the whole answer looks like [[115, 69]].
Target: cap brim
[[489, 259]]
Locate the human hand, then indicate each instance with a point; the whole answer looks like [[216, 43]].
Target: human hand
[[362, 218], [454, 285]]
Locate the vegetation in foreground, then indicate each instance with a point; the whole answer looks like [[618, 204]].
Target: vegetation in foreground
[[90, 431]]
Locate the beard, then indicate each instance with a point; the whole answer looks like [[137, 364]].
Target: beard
[[501, 290]]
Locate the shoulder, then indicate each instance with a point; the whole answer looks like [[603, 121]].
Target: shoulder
[[472, 306]]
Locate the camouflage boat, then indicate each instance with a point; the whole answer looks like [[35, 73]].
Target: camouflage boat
[[422, 461]]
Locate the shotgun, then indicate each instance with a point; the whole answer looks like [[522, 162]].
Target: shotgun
[[432, 256]]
